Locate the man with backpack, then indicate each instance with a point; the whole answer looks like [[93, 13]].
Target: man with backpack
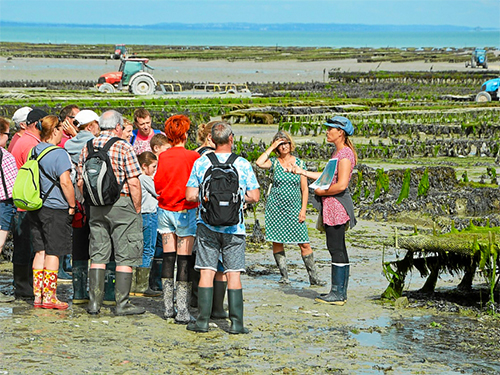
[[115, 212], [221, 227]]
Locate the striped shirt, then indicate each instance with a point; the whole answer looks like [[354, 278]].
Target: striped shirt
[[122, 157], [9, 174]]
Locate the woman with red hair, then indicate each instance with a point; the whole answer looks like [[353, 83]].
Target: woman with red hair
[[176, 217]]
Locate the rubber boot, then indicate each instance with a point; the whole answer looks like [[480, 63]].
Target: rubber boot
[[141, 280], [133, 286], [49, 295], [280, 259], [194, 277], [183, 295], [168, 298], [218, 311], [23, 280], [66, 260], [235, 299], [80, 275], [123, 282], [152, 292], [109, 284], [63, 276], [312, 270], [155, 275], [338, 292], [96, 290], [205, 299], [38, 288]]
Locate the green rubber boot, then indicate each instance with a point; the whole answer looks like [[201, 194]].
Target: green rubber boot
[[80, 275], [96, 290], [205, 298], [123, 282], [235, 298], [109, 284], [218, 311]]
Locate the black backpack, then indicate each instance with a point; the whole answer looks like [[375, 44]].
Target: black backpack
[[100, 186], [220, 193]]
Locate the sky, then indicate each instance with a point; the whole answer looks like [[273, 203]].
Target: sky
[[470, 13]]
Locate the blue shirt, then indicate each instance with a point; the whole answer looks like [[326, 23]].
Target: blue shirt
[[55, 163], [247, 178]]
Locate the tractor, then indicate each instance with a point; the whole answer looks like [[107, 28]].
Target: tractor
[[120, 52], [478, 59], [134, 74], [489, 91]]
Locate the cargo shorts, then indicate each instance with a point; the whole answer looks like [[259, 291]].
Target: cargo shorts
[[117, 227]]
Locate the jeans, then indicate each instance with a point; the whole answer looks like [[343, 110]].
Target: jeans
[[149, 232], [22, 239]]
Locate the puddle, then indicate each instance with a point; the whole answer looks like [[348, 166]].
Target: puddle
[[427, 338]]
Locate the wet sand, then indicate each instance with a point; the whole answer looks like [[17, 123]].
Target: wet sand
[[19, 69], [289, 331]]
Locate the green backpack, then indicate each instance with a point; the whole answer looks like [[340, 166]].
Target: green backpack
[[26, 192]]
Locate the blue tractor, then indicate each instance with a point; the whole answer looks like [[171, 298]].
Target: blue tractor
[[478, 59], [489, 91]]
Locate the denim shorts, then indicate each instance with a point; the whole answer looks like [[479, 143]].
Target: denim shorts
[[7, 211], [182, 223]]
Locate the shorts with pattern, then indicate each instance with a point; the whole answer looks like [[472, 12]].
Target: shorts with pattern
[[210, 244], [51, 231], [182, 223]]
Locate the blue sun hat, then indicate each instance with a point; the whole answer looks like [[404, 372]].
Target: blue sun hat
[[341, 123]]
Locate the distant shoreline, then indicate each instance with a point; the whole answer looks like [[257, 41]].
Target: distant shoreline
[[193, 70]]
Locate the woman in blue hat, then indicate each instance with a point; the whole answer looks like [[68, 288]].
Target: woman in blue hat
[[337, 206]]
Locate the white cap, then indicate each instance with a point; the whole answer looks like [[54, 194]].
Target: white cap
[[21, 114], [86, 116]]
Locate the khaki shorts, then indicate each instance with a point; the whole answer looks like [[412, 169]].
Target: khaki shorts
[[116, 227]]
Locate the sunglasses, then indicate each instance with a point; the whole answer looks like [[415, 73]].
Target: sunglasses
[[7, 134]]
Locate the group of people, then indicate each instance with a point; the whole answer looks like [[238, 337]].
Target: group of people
[[152, 240]]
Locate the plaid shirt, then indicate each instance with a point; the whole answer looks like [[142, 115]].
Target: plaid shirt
[[9, 173], [122, 156]]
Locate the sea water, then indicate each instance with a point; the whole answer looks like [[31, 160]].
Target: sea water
[[267, 38]]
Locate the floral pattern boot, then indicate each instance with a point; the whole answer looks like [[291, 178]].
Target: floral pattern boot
[[50, 300], [38, 288]]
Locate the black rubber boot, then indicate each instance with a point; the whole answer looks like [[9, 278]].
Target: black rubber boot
[[96, 290], [218, 311], [338, 292], [205, 298], [155, 275], [23, 280], [280, 259], [194, 277], [235, 299], [109, 284], [80, 275], [312, 271], [123, 282]]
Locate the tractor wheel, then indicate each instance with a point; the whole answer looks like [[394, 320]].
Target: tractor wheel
[[483, 97], [108, 88], [142, 85]]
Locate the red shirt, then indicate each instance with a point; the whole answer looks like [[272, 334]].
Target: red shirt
[[23, 146], [13, 141], [172, 175]]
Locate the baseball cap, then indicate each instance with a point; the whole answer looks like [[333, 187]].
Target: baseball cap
[[85, 116], [21, 114], [340, 123], [35, 115]]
